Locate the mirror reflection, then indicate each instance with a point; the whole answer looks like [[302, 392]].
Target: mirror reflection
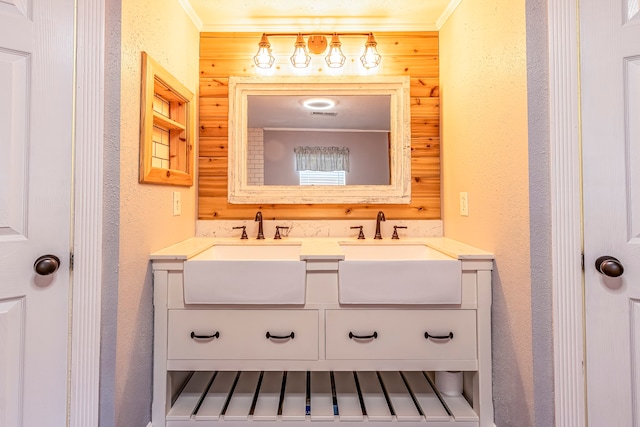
[[318, 139], [325, 136]]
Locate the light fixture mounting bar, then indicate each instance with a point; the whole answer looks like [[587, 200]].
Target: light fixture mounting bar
[[317, 44], [328, 33]]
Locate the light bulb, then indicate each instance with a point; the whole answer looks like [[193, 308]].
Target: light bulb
[[370, 58], [264, 58], [335, 58], [300, 57]]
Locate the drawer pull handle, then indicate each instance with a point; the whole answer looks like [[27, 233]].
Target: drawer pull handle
[[281, 337], [204, 337], [439, 337], [363, 337]]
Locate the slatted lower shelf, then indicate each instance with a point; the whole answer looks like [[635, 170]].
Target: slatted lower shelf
[[321, 398]]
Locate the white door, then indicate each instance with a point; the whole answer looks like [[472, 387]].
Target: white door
[[610, 92], [36, 93]]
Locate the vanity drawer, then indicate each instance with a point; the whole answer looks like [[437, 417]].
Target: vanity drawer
[[243, 334], [400, 334]]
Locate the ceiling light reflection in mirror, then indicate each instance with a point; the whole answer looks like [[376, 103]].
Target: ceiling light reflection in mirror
[[278, 124]]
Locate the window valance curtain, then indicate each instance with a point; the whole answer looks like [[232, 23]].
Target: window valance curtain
[[325, 159]]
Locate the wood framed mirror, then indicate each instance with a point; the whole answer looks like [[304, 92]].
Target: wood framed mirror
[[361, 113]]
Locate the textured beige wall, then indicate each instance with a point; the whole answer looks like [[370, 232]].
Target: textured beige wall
[[483, 83], [163, 30], [485, 153]]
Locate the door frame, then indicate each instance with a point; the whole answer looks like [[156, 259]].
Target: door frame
[[566, 209], [88, 179]]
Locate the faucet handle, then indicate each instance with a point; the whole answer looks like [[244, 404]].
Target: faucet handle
[[395, 231], [244, 231], [361, 234], [278, 228]]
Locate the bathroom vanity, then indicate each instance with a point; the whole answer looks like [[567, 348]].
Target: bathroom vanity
[[321, 330]]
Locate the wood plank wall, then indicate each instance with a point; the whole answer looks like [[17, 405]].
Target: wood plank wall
[[231, 54]]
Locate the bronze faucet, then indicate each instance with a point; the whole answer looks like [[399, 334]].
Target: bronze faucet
[[260, 232], [361, 233], [278, 228], [395, 231], [244, 231], [379, 218]]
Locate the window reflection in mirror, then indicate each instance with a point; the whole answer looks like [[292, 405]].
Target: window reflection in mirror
[[277, 124]]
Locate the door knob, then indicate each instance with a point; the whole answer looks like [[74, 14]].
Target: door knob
[[609, 266], [46, 265]]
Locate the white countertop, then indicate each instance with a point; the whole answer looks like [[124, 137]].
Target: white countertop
[[320, 248]]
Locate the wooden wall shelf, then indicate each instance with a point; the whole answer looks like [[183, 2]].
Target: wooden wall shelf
[[167, 137]]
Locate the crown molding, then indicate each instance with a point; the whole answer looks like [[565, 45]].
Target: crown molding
[[186, 5], [448, 11], [272, 27]]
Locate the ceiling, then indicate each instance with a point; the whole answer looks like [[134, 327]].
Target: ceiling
[[355, 112], [323, 15]]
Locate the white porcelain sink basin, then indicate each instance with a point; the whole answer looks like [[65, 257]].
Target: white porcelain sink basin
[[280, 252], [381, 251], [246, 273], [396, 273]]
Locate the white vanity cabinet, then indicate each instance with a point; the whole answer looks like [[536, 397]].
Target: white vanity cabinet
[[321, 361]]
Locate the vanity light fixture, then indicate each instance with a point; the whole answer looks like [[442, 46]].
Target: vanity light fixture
[[264, 58], [335, 58], [370, 58], [317, 44], [300, 57]]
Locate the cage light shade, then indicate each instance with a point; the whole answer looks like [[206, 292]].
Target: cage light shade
[[264, 58], [335, 58], [300, 57], [370, 58]]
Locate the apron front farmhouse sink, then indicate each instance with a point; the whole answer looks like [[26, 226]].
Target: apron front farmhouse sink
[[397, 273], [246, 273]]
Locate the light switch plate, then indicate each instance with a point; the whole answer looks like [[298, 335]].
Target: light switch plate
[[464, 203], [177, 203]]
